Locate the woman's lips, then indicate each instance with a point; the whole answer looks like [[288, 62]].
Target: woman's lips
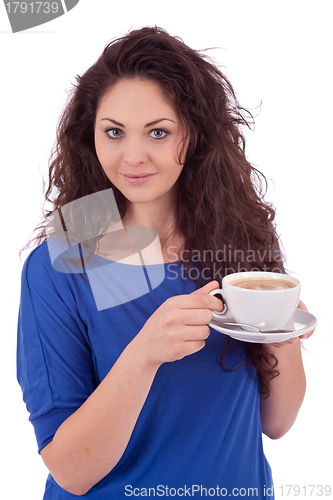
[[138, 179]]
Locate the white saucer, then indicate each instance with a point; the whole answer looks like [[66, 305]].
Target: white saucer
[[301, 323]]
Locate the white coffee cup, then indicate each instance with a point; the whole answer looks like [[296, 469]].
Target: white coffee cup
[[265, 309]]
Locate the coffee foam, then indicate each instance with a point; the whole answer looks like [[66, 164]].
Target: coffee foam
[[263, 283]]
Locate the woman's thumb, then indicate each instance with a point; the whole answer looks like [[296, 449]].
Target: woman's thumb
[[204, 290]]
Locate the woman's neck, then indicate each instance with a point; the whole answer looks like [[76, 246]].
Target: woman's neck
[[161, 217]]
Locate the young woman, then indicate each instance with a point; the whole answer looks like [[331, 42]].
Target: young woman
[[143, 398]]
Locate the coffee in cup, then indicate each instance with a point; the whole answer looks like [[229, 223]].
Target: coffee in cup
[[254, 283], [262, 299]]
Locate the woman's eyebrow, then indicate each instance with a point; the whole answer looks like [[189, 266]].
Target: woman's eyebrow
[[113, 121], [148, 124], [157, 121]]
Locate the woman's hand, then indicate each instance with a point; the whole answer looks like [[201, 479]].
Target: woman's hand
[[301, 305], [179, 327]]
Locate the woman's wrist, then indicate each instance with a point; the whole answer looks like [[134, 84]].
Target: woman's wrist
[[140, 350]]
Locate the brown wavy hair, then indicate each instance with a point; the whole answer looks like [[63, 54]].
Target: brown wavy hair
[[220, 201]]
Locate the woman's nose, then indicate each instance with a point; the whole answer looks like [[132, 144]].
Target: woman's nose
[[135, 153]]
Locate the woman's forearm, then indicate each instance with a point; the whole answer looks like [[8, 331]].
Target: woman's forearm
[[287, 390], [90, 442]]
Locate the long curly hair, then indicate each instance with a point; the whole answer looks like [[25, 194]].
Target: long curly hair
[[220, 195]]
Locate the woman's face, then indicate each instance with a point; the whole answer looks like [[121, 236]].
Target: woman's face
[[138, 136]]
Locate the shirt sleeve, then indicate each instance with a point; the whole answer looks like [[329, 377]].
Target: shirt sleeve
[[54, 359]]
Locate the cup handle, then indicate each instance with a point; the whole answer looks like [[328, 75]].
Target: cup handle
[[216, 314]]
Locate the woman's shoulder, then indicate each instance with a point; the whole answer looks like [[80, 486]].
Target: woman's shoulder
[[36, 277], [38, 260], [42, 282], [40, 268]]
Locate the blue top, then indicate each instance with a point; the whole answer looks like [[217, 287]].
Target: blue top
[[199, 431]]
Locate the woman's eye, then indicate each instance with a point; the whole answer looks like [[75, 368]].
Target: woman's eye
[[113, 133], [159, 133]]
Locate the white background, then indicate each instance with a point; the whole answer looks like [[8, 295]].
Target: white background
[[277, 53]]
